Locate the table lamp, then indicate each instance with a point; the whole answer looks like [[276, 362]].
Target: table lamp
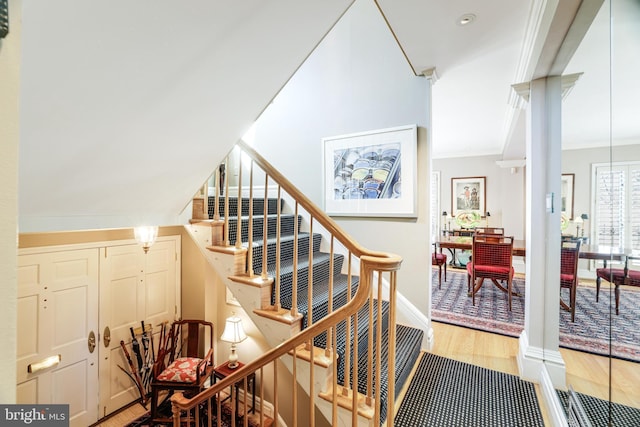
[[233, 333], [584, 218], [444, 219], [578, 223]]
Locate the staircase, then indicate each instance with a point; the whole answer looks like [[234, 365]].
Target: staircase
[[297, 266]]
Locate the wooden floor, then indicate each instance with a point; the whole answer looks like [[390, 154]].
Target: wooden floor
[[587, 373]]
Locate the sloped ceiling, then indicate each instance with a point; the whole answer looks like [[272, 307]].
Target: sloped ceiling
[[127, 106]]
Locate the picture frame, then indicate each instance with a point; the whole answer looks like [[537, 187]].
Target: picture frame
[[566, 195], [371, 174], [469, 194]]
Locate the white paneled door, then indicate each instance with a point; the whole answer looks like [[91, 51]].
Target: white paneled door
[[134, 287], [57, 297]]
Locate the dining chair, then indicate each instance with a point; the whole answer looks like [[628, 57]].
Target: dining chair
[[491, 258], [490, 230], [439, 259], [569, 257], [179, 364], [618, 277]]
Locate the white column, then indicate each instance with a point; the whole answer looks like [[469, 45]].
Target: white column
[[538, 353], [430, 80]]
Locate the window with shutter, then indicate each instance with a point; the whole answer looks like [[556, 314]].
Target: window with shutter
[[617, 205]]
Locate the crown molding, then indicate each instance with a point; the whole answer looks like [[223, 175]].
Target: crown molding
[[431, 74]]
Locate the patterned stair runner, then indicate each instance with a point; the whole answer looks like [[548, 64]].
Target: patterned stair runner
[[408, 340]]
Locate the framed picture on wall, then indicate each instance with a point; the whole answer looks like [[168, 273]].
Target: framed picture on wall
[[468, 196], [371, 173], [566, 193]]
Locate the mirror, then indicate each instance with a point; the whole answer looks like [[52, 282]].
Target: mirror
[[601, 147]]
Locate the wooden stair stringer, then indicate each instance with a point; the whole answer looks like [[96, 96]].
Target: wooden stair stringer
[[229, 263], [323, 387]]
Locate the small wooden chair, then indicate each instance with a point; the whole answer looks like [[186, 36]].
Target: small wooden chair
[[440, 260], [179, 364], [569, 257]]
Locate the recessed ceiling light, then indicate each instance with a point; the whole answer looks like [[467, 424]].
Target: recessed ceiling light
[[466, 19]]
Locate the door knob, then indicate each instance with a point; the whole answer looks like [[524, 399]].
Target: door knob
[[91, 343], [106, 336]]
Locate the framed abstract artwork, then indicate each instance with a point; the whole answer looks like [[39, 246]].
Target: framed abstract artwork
[[371, 173]]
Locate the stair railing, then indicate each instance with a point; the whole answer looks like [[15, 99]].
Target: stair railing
[[373, 268]]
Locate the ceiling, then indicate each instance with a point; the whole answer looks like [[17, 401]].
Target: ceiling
[[476, 65], [99, 127]]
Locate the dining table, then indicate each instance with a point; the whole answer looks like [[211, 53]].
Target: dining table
[[453, 243]]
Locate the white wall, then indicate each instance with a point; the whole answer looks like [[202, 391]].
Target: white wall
[[356, 80], [126, 106], [9, 135], [505, 191]]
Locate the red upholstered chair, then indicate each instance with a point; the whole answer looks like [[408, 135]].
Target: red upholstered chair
[[491, 258], [569, 257], [182, 363], [490, 230], [619, 277], [440, 260]]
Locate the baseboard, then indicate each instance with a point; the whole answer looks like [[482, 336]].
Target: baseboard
[[551, 400]]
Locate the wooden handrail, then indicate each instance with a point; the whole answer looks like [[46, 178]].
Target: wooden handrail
[[318, 214], [367, 266]]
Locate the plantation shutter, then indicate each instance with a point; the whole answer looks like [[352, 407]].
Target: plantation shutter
[[634, 207], [617, 205]]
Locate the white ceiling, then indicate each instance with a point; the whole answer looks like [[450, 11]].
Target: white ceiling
[[476, 64], [90, 159]]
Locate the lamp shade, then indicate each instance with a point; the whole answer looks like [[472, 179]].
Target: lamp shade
[[444, 213], [584, 216], [233, 330], [146, 236]]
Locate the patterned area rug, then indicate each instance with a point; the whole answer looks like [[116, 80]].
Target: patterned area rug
[[602, 413], [445, 392], [590, 332]]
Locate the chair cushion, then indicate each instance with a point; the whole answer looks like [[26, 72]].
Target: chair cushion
[[566, 279], [617, 275], [182, 370], [489, 269], [438, 258]]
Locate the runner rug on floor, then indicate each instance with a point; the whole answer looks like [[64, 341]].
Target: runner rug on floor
[[445, 392], [603, 413], [590, 331]]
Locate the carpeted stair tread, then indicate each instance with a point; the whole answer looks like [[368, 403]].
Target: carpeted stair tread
[[258, 206], [343, 338], [287, 226], [321, 270], [408, 344], [286, 248], [320, 298]]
